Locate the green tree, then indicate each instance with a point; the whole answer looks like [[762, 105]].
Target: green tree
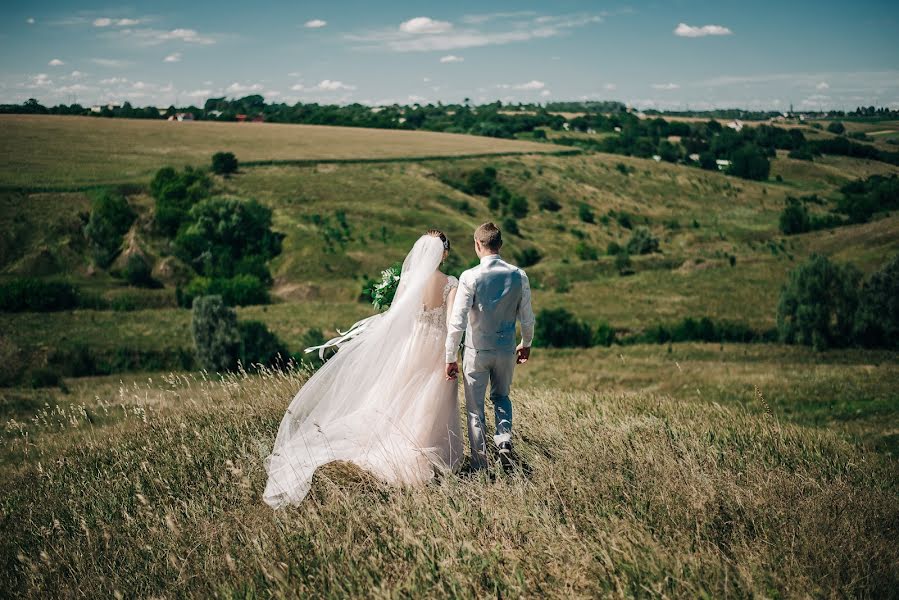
[[259, 346], [877, 319], [110, 219], [558, 328], [836, 127], [585, 213], [216, 335], [749, 162], [642, 242], [138, 272], [818, 304], [175, 193]]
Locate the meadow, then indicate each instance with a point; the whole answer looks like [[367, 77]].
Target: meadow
[[684, 470]]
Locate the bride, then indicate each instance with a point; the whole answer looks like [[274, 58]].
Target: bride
[[383, 401]]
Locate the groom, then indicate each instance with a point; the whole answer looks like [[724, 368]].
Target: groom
[[490, 298]]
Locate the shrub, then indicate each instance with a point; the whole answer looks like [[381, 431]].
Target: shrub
[[220, 233], [518, 206], [510, 225], [548, 203], [818, 304], [481, 183], [216, 335], [585, 213], [259, 346], [41, 378], [707, 161], [863, 198], [623, 168], [558, 328], [794, 218], [877, 319], [613, 249], [585, 251], [138, 272], [224, 163], [624, 219], [528, 257], [836, 127], [603, 335], [38, 295], [110, 219], [623, 263], [240, 290], [801, 154], [642, 242]]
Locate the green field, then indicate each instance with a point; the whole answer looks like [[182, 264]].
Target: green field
[[688, 470]]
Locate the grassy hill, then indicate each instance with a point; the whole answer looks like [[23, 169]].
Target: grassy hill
[[684, 469]]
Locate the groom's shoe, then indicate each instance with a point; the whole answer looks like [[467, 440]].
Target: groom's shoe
[[505, 456]]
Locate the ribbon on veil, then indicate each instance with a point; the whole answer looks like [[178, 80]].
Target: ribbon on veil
[[357, 328]]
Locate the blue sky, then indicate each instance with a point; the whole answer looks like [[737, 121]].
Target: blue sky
[[671, 54]]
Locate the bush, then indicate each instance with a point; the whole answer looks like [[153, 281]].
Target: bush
[[704, 329], [558, 328], [603, 335], [175, 193], [110, 219], [222, 233], [585, 251], [548, 203], [707, 161], [836, 127], [623, 168], [138, 272], [794, 218], [877, 319], [529, 257], [37, 295], [750, 162], [41, 378], [240, 290], [481, 183], [259, 346], [624, 219], [613, 249], [224, 163], [518, 206], [510, 225], [818, 304], [642, 242], [585, 213], [863, 198], [801, 154], [216, 335], [623, 263]]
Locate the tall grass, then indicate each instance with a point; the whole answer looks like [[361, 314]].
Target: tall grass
[[156, 491]]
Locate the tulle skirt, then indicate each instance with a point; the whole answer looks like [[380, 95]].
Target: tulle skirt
[[403, 427]]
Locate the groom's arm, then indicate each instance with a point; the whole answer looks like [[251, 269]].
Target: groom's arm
[[458, 318], [526, 318]]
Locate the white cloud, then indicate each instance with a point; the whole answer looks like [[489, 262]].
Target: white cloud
[[30, 20], [423, 34], [56, 63], [425, 25], [545, 93], [294, 74], [684, 30], [113, 80], [822, 86], [239, 88], [108, 22], [327, 85], [665, 86], [451, 58], [315, 24], [532, 85], [190, 36], [75, 88], [199, 94], [610, 87], [172, 58], [298, 87], [155, 37], [483, 18], [40, 80], [76, 74], [110, 62]]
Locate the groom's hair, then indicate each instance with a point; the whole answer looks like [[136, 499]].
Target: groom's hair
[[489, 236]]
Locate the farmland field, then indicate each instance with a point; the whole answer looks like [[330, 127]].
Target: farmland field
[[40, 151]]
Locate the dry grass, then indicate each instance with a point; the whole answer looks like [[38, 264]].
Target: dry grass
[[51, 150], [624, 495]]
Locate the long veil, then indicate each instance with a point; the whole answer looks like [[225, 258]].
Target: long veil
[[348, 400]]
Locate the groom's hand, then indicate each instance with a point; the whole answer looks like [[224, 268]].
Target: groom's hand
[[523, 354], [452, 371]]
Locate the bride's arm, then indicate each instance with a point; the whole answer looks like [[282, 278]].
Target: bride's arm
[[460, 299]]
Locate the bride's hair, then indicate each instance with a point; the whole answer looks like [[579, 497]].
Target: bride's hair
[[439, 234]]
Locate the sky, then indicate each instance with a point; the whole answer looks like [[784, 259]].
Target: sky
[[675, 55]]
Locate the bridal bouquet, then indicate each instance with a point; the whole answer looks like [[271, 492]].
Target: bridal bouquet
[[382, 292]]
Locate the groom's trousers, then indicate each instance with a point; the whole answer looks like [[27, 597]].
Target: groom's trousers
[[480, 368]]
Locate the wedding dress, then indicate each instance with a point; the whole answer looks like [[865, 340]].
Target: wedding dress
[[382, 401]]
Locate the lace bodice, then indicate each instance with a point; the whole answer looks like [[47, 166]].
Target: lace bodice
[[436, 317]]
